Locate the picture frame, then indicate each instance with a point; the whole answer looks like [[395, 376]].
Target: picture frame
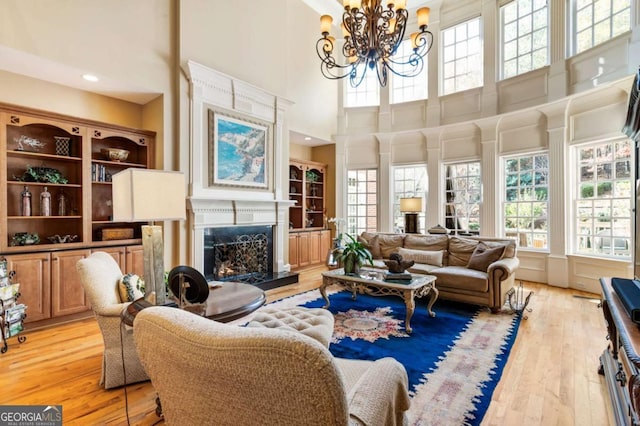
[[239, 151]]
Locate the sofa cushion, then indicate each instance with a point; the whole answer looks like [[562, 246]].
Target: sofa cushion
[[460, 250], [371, 244], [422, 268], [422, 256], [483, 256], [129, 288], [509, 246], [426, 242], [460, 277], [389, 243]]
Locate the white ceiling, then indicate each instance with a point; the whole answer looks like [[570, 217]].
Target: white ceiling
[[19, 62]]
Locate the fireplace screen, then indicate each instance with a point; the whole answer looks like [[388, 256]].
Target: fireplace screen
[[238, 253]]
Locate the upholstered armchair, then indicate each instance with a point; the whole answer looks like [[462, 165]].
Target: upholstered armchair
[[206, 372], [100, 275]]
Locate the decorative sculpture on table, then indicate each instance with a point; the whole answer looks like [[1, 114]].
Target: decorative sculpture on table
[[396, 264]]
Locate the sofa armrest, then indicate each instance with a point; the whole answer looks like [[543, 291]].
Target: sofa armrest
[[381, 395], [112, 310], [503, 267]]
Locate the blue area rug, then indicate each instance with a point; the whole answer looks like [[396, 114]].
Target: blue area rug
[[454, 361]]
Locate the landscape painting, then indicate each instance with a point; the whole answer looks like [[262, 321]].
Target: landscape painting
[[238, 151]]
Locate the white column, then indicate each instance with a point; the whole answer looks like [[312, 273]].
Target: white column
[[490, 46], [385, 191], [434, 213], [489, 209], [558, 74], [341, 177]]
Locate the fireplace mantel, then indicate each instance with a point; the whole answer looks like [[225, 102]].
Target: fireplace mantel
[[212, 206]]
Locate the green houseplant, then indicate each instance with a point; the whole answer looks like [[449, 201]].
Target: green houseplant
[[353, 254]]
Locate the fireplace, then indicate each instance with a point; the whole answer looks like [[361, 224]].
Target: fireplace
[[244, 254]]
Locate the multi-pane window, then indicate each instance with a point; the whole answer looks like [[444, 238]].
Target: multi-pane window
[[362, 201], [406, 89], [603, 199], [461, 57], [368, 91], [596, 21], [525, 36], [408, 182], [526, 199], [463, 195]]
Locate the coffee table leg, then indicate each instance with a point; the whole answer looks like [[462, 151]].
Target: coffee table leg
[[323, 292], [410, 305], [432, 299]]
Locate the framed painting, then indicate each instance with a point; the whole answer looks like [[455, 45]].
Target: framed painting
[[238, 151]]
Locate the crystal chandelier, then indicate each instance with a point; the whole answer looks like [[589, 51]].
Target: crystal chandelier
[[372, 34]]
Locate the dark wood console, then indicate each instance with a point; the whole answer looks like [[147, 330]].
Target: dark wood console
[[620, 361]]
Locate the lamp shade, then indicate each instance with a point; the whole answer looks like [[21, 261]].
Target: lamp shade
[[411, 205], [145, 195]]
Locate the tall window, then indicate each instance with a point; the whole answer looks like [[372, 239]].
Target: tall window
[[525, 36], [362, 201], [526, 199], [408, 182], [406, 89], [603, 199], [461, 57], [366, 94], [463, 197], [596, 21]]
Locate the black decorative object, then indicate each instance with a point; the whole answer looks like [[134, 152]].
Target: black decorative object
[[396, 264], [193, 283]]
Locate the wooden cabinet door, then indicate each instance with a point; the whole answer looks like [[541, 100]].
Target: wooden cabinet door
[[325, 244], [118, 254], [67, 294], [135, 260], [33, 274], [293, 251], [303, 249], [314, 247]]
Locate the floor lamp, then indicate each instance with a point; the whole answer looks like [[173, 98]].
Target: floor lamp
[[411, 207], [145, 195]]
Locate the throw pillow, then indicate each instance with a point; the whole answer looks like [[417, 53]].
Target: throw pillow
[[483, 256], [130, 288], [422, 256], [372, 245]]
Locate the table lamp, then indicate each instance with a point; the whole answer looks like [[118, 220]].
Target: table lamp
[[411, 207], [146, 195]]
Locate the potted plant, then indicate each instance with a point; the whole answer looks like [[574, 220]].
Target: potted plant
[[353, 254]]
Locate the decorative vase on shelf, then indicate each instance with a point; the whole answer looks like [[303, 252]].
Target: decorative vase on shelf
[[25, 207], [45, 202]]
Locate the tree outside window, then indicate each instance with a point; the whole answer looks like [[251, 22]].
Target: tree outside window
[[526, 200], [604, 199]]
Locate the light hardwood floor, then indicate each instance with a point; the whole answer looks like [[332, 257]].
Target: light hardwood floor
[[550, 378]]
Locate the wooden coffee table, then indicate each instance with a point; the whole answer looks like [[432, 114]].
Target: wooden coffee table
[[371, 281], [228, 301]]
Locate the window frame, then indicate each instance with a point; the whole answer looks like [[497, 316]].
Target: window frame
[[415, 191], [368, 85], [530, 234], [520, 18], [353, 223], [575, 31], [469, 206], [593, 238], [458, 86], [422, 78]]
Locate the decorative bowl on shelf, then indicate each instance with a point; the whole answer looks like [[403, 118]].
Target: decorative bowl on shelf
[[24, 239], [115, 154], [61, 239]]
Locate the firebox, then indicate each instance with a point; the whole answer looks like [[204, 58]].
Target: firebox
[[242, 253]]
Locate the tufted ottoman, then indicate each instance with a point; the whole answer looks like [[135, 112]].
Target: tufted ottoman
[[313, 322]]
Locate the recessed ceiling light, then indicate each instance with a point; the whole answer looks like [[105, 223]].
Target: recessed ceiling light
[[307, 138], [90, 77]]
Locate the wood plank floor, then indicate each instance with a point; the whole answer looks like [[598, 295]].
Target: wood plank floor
[[550, 378]]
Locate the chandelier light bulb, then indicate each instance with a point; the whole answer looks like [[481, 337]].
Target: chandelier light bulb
[[423, 16], [325, 24], [401, 4]]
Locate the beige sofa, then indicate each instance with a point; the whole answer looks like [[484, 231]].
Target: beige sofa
[[477, 270]]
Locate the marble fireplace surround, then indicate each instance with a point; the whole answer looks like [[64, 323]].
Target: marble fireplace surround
[[212, 206]]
